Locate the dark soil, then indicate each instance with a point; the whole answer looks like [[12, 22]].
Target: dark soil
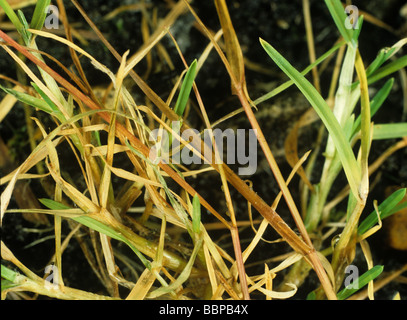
[[278, 22]]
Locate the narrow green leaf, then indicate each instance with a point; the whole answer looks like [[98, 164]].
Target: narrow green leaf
[[97, 226], [386, 208], [196, 214], [289, 83], [363, 280], [346, 155], [25, 33], [52, 105], [28, 99], [12, 16], [357, 30], [388, 69], [6, 284], [39, 15], [390, 131], [8, 274], [185, 89], [339, 16], [379, 60], [376, 102], [311, 296], [343, 108]]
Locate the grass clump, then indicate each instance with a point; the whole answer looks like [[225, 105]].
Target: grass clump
[[131, 195]]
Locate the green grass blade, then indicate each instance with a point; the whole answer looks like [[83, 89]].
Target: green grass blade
[[52, 105], [381, 58], [28, 99], [343, 108], [97, 226], [8, 274], [12, 16], [25, 34], [386, 208], [346, 155], [339, 16], [390, 131], [289, 83], [6, 284], [363, 280], [388, 69], [397, 208], [376, 102], [185, 89], [39, 15]]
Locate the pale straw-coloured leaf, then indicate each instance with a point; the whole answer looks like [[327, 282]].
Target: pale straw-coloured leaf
[[143, 286], [37, 155], [210, 268], [369, 260], [279, 295]]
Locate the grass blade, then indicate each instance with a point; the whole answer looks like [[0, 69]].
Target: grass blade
[[347, 157], [388, 69], [339, 16], [12, 16], [28, 99], [233, 50], [390, 131], [196, 214], [376, 103], [385, 210], [185, 89], [182, 277], [365, 128], [8, 274], [39, 15], [97, 226], [289, 83], [363, 280], [49, 102]]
